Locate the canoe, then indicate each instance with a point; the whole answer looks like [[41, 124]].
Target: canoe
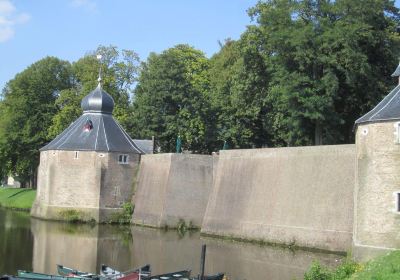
[[66, 271], [218, 276], [42, 276], [111, 273], [178, 275]]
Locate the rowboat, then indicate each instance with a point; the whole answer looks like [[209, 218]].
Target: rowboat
[[218, 276], [42, 276], [66, 271], [110, 272], [178, 275], [106, 272]]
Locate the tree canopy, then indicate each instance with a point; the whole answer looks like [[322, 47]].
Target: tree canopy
[[26, 109], [171, 99], [301, 74]]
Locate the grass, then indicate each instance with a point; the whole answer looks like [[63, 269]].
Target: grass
[[21, 199], [386, 267]]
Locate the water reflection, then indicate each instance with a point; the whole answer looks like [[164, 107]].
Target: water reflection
[[39, 245], [15, 231], [80, 246]]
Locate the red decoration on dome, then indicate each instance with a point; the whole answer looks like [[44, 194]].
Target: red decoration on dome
[[88, 126]]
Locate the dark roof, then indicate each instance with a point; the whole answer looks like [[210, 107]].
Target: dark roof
[[96, 129], [98, 101], [396, 72], [145, 145], [387, 110]]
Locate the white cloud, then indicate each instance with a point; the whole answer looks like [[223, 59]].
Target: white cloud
[[6, 7], [88, 5], [9, 18]]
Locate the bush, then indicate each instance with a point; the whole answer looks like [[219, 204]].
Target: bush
[[123, 217], [343, 271]]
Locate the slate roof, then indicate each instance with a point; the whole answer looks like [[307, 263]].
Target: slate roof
[[387, 110], [96, 129], [145, 145], [396, 72]]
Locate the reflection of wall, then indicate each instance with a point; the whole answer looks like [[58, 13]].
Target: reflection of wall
[[83, 247], [285, 195], [167, 251], [173, 187]]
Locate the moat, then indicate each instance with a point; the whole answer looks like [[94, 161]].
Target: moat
[[32, 244]]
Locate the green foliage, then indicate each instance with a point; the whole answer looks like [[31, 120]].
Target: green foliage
[[119, 72], [26, 110], [72, 216], [300, 75], [170, 100], [383, 268], [343, 271], [21, 199], [329, 63], [239, 82], [123, 217]]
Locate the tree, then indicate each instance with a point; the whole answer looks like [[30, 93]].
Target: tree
[[170, 99], [26, 110], [119, 73], [330, 63], [239, 83]]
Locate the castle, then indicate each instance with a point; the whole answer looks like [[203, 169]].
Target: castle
[[336, 198]]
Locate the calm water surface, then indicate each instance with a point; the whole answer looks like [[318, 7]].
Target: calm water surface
[[32, 244]]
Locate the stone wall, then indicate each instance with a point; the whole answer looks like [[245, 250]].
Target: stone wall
[[300, 196], [377, 212], [91, 183], [173, 188]]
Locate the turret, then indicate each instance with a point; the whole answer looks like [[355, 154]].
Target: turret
[[377, 190]]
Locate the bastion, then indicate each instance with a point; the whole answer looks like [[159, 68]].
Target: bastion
[[87, 172], [173, 189]]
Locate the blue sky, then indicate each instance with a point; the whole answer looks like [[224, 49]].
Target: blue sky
[[31, 30]]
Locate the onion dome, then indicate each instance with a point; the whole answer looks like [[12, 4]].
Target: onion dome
[[98, 101]]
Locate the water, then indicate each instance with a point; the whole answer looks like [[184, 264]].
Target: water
[[32, 244]]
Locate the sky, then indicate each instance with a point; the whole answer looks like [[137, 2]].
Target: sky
[[33, 29]]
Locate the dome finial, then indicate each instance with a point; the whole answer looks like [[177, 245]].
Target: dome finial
[[99, 57]]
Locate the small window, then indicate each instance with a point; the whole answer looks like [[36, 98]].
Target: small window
[[123, 159], [398, 202], [76, 155], [397, 133]]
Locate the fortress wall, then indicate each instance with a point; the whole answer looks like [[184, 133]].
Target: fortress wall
[[377, 190], [173, 187], [150, 193], [117, 180], [70, 185], [94, 184], [301, 196]]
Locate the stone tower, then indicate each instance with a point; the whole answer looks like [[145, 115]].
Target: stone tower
[[377, 190], [88, 170]]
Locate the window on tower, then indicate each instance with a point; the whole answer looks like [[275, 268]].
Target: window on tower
[[123, 159]]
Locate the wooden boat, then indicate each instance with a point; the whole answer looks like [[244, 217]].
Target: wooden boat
[[218, 276], [178, 275], [42, 276], [66, 271], [111, 273]]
